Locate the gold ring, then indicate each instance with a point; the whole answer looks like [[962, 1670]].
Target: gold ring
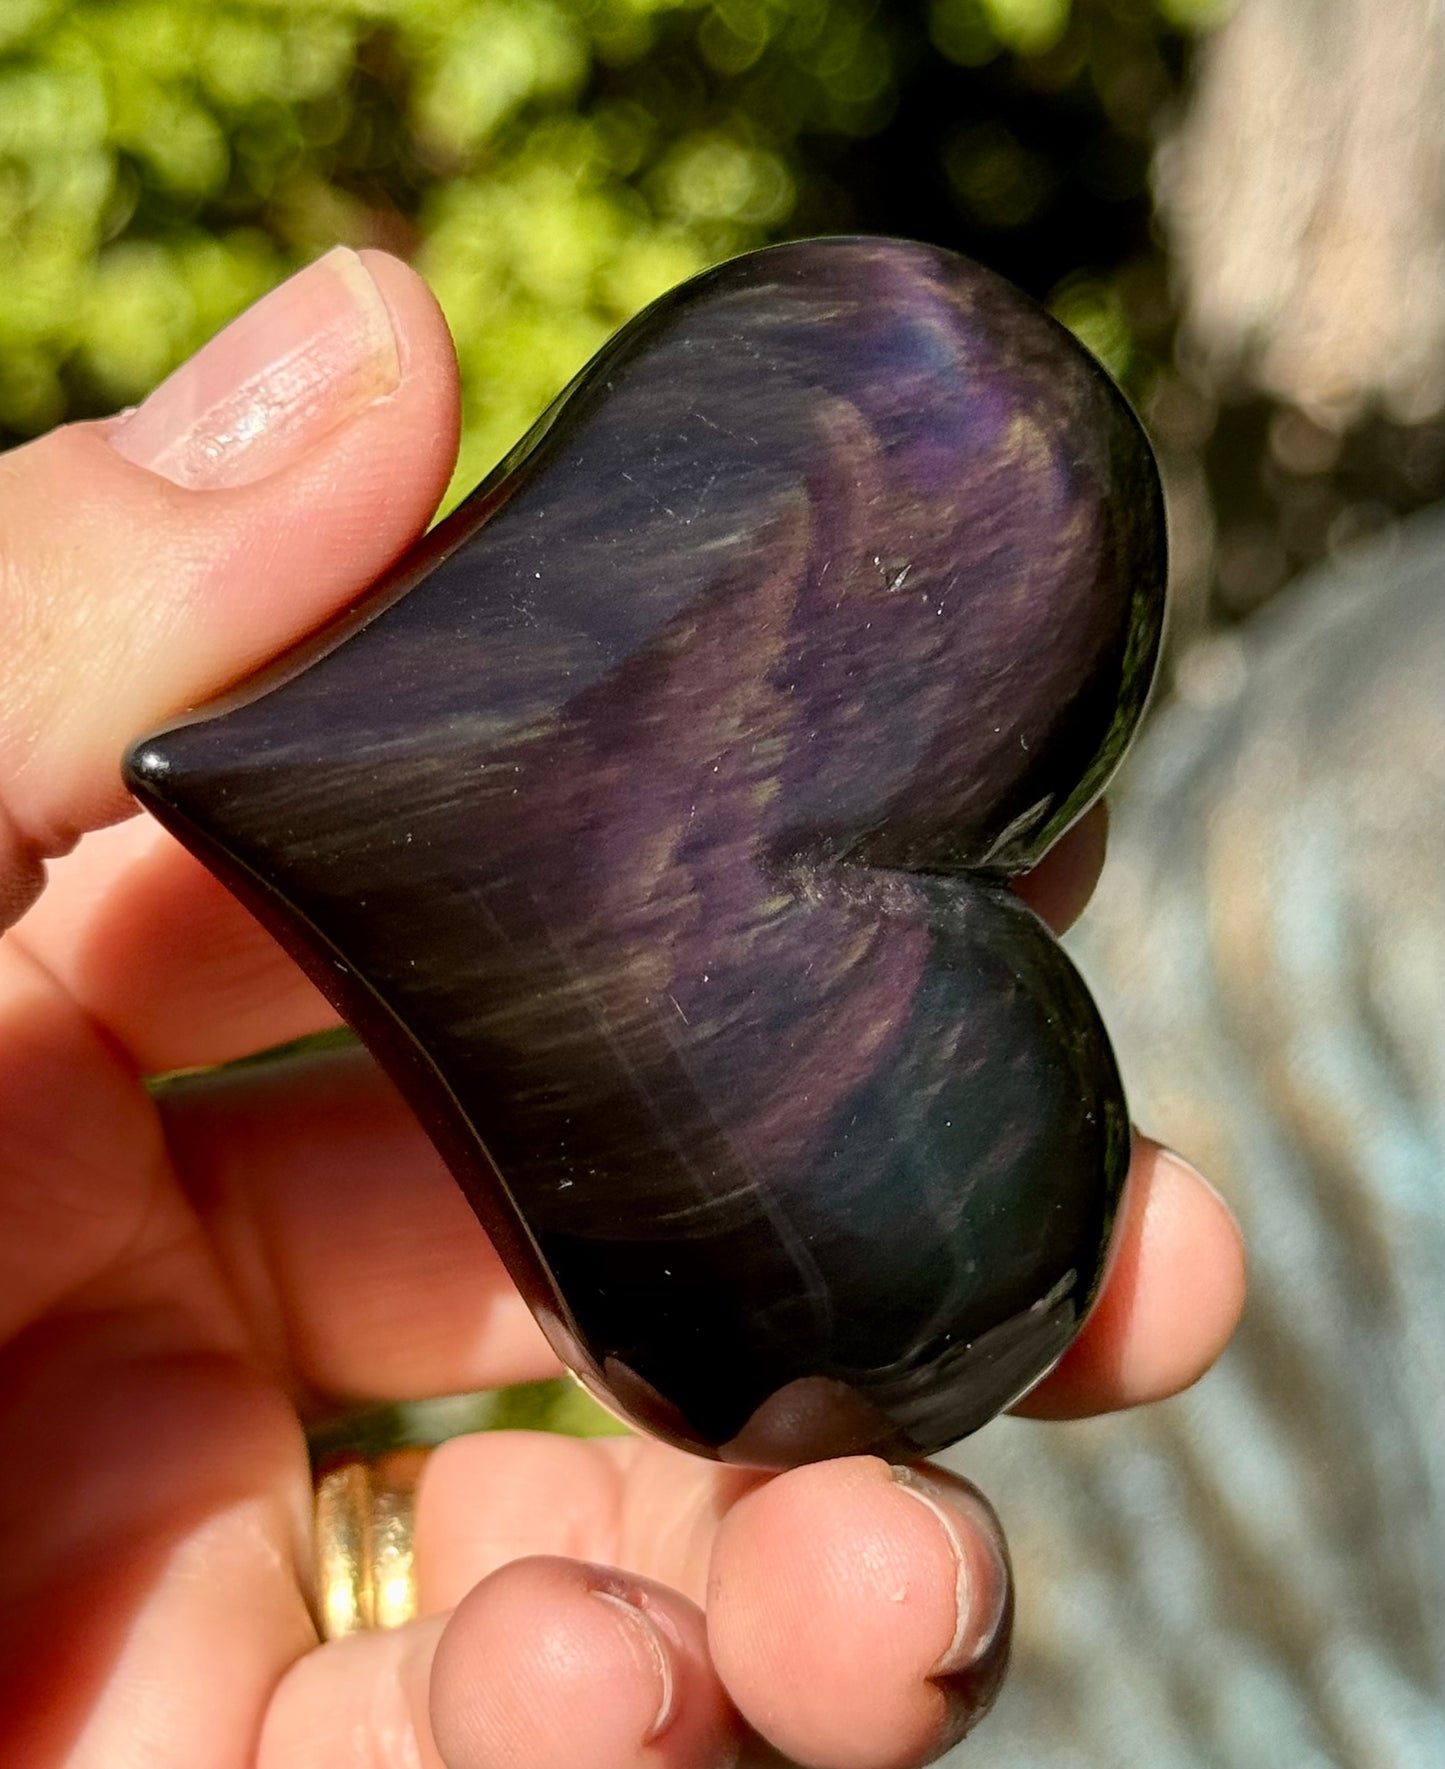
[[362, 1523]]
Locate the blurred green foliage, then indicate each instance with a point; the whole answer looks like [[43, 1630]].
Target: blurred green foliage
[[549, 165], [164, 161], [558, 1405]]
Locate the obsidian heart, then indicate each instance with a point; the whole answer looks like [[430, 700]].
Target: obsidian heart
[[652, 822]]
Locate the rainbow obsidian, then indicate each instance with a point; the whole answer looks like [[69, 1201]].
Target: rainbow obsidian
[[652, 822]]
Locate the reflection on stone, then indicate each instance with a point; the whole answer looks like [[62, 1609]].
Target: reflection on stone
[[652, 822], [811, 1418]]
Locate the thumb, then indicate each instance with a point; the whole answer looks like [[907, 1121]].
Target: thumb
[[150, 560]]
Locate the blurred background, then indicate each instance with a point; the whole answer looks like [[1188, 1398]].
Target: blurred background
[[1239, 209]]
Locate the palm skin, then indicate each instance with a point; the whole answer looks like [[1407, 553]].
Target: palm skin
[[189, 1274]]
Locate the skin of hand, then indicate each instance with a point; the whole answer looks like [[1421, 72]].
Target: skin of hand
[[185, 1277]]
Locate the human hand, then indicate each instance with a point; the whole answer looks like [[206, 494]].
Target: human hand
[[185, 1275]]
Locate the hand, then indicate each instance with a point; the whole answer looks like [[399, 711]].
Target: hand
[[183, 1276]]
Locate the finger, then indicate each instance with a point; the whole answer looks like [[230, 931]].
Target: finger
[[105, 928], [1173, 1296], [883, 1596], [153, 1496], [151, 560], [549, 1664], [1061, 884], [356, 1262], [859, 1616], [601, 1670], [356, 1703], [625, 1501]]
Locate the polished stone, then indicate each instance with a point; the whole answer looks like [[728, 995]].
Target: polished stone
[[652, 822]]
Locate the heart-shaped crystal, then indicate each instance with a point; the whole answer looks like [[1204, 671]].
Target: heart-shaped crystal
[[653, 819]]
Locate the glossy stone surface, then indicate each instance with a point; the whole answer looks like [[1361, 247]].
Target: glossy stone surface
[[652, 823]]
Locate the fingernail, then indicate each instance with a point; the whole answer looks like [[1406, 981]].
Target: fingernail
[[655, 1633], [289, 370], [1164, 1153], [982, 1572]]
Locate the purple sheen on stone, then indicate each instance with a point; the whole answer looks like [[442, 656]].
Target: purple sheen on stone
[[652, 821]]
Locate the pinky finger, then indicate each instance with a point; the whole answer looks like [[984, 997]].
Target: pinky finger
[[547, 1664]]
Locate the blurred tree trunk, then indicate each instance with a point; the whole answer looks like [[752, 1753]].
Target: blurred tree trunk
[[1305, 200]]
